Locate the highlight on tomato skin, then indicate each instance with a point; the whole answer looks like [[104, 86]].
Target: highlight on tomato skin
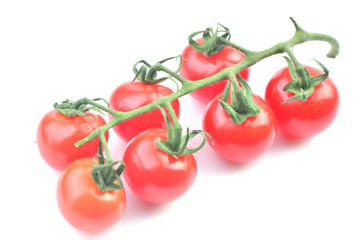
[[132, 95], [82, 204], [56, 135], [240, 143], [303, 119], [153, 175], [196, 66]]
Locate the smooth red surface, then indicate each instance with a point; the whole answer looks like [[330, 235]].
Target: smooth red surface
[[196, 66], [302, 119], [154, 175], [82, 204], [132, 95], [57, 134], [243, 142]]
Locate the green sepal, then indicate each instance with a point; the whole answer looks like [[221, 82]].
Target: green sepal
[[171, 145], [190, 134], [211, 41], [302, 84], [176, 144], [104, 174], [72, 109], [182, 149], [147, 74], [241, 104], [141, 74]]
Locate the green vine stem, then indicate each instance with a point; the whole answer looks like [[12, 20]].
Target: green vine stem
[[176, 144], [251, 58], [107, 173]]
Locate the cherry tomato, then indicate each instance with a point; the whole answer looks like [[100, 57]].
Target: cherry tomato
[[82, 204], [196, 66], [243, 142], [132, 95], [154, 175], [302, 119], [57, 134]]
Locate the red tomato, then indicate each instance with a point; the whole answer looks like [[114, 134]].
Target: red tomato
[[243, 142], [82, 204], [57, 134], [196, 66], [302, 119], [154, 175], [132, 95]]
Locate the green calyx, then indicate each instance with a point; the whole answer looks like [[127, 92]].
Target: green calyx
[[147, 74], [106, 175], [241, 104], [72, 109], [302, 84], [176, 144], [212, 42]]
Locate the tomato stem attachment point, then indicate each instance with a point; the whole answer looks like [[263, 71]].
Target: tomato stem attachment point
[[107, 172], [147, 73], [176, 144], [302, 84], [212, 43], [241, 104]]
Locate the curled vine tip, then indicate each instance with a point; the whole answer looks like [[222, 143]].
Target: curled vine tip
[[334, 51], [306, 36]]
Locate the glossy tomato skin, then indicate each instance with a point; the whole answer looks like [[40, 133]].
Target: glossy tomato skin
[[196, 66], [132, 95], [57, 134], [82, 204], [243, 142], [302, 119], [154, 175]]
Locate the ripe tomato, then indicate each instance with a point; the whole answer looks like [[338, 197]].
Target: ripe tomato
[[302, 119], [243, 142], [82, 204], [152, 174], [196, 66], [57, 134], [132, 95]]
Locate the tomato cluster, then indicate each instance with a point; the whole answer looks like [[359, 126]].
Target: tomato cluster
[[153, 174]]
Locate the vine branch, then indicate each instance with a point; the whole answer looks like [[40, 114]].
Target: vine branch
[[251, 58]]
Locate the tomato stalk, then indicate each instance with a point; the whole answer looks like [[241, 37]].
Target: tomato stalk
[[176, 143], [241, 104], [107, 172], [302, 84], [105, 175], [252, 57]]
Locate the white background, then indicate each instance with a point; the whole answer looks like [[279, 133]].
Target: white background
[[54, 50]]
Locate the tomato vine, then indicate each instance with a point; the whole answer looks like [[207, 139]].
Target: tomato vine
[[214, 43]]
